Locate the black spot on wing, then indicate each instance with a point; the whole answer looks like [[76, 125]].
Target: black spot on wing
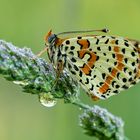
[[97, 41], [87, 81], [67, 42], [124, 80], [80, 81], [97, 58], [73, 72], [125, 60], [125, 69], [109, 48], [80, 73], [75, 67], [92, 87], [130, 79], [99, 48], [133, 63], [134, 82], [113, 83], [113, 55], [109, 69], [126, 44], [69, 66], [125, 87], [133, 53], [71, 53], [101, 83], [123, 50], [130, 73], [73, 59], [72, 47], [117, 86], [118, 75], [116, 91], [103, 96], [103, 36], [79, 37], [59, 53], [107, 60], [135, 70], [88, 43], [107, 41], [66, 48], [116, 42], [113, 37], [115, 63], [103, 75], [94, 76]]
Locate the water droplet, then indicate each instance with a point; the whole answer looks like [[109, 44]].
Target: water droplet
[[20, 83], [47, 100], [80, 108], [94, 124]]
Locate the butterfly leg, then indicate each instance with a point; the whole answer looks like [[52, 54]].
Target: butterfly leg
[[40, 53], [59, 70]]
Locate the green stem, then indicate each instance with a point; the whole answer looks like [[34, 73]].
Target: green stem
[[81, 105]]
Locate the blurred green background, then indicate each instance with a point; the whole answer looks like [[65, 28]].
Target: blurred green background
[[25, 23]]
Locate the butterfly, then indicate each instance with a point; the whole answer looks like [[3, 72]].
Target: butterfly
[[103, 65]]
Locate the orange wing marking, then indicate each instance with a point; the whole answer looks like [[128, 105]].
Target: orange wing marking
[[119, 57], [59, 41], [90, 63], [84, 43]]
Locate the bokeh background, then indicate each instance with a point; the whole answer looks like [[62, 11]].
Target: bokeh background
[[25, 23]]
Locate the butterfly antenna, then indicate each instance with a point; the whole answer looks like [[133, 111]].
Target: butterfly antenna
[[84, 31]]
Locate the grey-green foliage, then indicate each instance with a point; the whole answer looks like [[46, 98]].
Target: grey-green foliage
[[100, 123], [34, 74]]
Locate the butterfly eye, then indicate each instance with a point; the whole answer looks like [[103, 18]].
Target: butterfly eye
[[52, 38]]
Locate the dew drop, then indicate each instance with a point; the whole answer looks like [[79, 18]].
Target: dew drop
[[47, 100], [80, 108], [94, 124], [20, 83]]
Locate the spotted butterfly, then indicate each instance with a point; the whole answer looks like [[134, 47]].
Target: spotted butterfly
[[103, 65]]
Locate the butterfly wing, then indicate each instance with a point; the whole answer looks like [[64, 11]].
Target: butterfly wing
[[103, 65]]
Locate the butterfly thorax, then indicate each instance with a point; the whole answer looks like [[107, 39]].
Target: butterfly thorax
[[54, 51]]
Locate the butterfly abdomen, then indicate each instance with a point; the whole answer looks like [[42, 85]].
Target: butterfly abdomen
[[137, 46]]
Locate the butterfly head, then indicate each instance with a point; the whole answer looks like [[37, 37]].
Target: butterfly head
[[50, 37], [50, 40]]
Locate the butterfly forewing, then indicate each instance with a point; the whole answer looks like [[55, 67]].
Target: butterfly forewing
[[103, 65]]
